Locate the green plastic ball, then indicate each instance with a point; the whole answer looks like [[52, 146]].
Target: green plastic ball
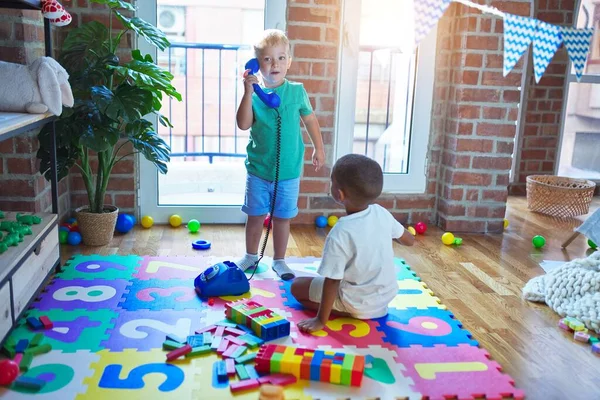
[[193, 225], [538, 241], [592, 244], [62, 236]]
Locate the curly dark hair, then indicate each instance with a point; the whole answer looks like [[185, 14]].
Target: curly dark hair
[[359, 177]]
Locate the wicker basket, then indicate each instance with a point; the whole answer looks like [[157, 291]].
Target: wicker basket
[[97, 229], [559, 196]]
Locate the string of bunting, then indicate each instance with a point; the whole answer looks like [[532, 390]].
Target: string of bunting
[[519, 33]]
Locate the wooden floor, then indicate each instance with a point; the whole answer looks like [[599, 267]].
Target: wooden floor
[[480, 282]]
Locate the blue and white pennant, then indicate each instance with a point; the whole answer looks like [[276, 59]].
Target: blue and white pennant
[[518, 34], [427, 14], [577, 42], [546, 41]]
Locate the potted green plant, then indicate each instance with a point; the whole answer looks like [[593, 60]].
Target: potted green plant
[[112, 97]]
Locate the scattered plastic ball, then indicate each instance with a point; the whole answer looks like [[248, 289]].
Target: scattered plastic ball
[[124, 223], [64, 229], [211, 301], [74, 238], [321, 221], [267, 221], [592, 244], [448, 238], [420, 227], [71, 221], [9, 370], [193, 225], [68, 226], [147, 221], [538, 241], [175, 220], [62, 236], [332, 220], [506, 223], [75, 223], [412, 230], [74, 228]]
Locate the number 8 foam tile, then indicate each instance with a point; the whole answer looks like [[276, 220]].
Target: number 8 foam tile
[[63, 373], [156, 294], [412, 293], [172, 267], [139, 375], [100, 267], [82, 293]]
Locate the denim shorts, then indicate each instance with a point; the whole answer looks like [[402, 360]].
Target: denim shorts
[[257, 200]]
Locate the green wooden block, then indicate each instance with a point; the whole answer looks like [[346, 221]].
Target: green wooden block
[[594, 339], [257, 310], [228, 324], [9, 351], [207, 337], [241, 371], [276, 362], [172, 345], [246, 358], [197, 351], [35, 351], [346, 376], [37, 339], [25, 362]]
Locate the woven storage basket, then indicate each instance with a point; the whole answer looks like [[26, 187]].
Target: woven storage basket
[[559, 196], [97, 229]]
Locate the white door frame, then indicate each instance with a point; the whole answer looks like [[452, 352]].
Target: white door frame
[[275, 17]]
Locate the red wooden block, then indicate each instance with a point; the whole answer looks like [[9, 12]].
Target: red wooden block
[[305, 369], [282, 379], [230, 366], [223, 346], [325, 374], [175, 354], [46, 322], [358, 369], [235, 340], [246, 384]]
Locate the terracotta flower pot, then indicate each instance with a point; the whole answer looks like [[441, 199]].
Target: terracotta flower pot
[[97, 229]]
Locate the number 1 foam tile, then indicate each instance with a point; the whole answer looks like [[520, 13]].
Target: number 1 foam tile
[[156, 294], [139, 375], [100, 267], [412, 293], [339, 331], [82, 293], [383, 378], [463, 372], [427, 328], [73, 330], [146, 329], [172, 267], [64, 374]]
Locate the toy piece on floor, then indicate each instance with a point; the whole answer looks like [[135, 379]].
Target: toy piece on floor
[[246, 384], [29, 383], [147, 221], [46, 322], [412, 230], [265, 323], [28, 219], [177, 339], [9, 371], [311, 364], [222, 279], [34, 323], [449, 239], [421, 228], [581, 336], [538, 241], [21, 346], [596, 348], [193, 225], [332, 220], [271, 392], [175, 220], [197, 351], [124, 223], [175, 354], [222, 371], [321, 221], [201, 245]]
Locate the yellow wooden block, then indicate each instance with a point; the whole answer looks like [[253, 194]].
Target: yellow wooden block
[[336, 373], [272, 319]]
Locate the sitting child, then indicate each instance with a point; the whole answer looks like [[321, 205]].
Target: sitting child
[[357, 273]]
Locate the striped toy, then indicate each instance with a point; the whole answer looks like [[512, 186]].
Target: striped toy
[[265, 323]]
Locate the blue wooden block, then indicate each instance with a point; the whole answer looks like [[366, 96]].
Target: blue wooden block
[[222, 371], [30, 383], [252, 374], [21, 346], [35, 323], [176, 338], [195, 340]]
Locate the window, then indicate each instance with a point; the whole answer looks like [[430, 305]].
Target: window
[[385, 96]]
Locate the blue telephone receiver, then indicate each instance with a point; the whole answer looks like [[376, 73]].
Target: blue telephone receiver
[[271, 99]]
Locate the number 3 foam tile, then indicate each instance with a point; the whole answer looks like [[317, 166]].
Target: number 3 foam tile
[[146, 329], [428, 327], [102, 267], [465, 372], [63, 373], [139, 375], [412, 293], [73, 330], [82, 293], [172, 267], [155, 294]]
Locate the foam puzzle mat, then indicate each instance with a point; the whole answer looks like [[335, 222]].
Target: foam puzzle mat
[[111, 315]]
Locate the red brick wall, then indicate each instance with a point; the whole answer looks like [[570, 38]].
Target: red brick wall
[[540, 134]]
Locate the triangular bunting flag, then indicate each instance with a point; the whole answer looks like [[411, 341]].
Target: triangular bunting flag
[[545, 43], [577, 42], [427, 13], [518, 33]]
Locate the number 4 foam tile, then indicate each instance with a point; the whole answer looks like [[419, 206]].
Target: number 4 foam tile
[[172, 267], [463, 372], [100, 267], [64, 374], [412, 293]]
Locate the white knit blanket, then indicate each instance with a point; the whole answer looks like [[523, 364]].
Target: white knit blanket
[[572, 290]]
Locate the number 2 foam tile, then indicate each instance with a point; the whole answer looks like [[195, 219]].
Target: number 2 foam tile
[[139, 375], [463, 372], [412, 293], [427, 328], [82, 293], [64, 374], [100, 267], [146, 329], [172, 267], [156, 294]]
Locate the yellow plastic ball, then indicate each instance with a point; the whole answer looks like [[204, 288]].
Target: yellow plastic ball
[[175, 220], [506, 223], [332, 220], [412, 230], [448, 238], [147, 221]]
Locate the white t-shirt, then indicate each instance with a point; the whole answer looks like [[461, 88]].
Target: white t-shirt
[[358, 251]]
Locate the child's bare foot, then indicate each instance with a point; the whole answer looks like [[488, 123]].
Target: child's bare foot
[[311, 325]]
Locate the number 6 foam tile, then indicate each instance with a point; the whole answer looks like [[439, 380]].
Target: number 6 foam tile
[[82, 293], [100, 267], [139, 375], [412, 293], [464, 372], [155, 294], [172, 267], [145, 330], [63, 373]]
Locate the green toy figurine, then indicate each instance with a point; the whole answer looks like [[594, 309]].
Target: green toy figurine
[[28, 219]]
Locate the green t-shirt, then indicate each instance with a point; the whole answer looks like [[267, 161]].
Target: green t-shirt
[[261, 148]]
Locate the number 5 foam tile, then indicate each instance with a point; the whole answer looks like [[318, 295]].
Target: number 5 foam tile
[[172, 267], [147, 329], [339, 331], [64, 374], [412, 293], [139, 375], [155, 294], [100, 267], [82, 293], [73, 330], [428, 327], [464, 372], [382, 379]]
